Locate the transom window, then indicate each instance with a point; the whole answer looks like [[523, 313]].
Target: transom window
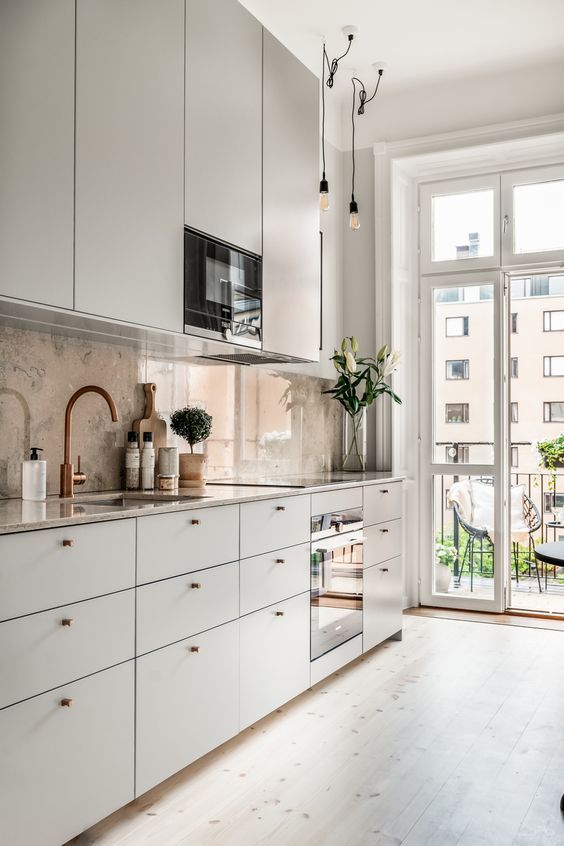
[[554, 412], [457, 327], [458, 368], [457, 412]]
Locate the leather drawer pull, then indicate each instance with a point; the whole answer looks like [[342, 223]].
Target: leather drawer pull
[[67, 703], [195, 522], [67, 621], [194, 649], [196, 585], [281, 508], [279, 613], [384, 490], [68, 543], [384, 531], [280, 560], [384, 570]]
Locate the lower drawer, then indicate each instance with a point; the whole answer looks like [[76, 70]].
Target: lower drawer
[[45, 650], [187, 703], [64, 768], [382, 542], [270, 578]]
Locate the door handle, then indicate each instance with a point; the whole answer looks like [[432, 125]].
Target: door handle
[[505, 223]]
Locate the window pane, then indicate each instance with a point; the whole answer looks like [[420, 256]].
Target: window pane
[[554, 365], [514, 412], [463, 225], [463, 376], [538, 211], [554, 321], [554, 412], [555, 285]]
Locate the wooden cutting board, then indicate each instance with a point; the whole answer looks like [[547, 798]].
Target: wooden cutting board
[[151, 421]]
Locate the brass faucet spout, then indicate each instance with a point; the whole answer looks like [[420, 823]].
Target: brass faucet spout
[[68, 476]]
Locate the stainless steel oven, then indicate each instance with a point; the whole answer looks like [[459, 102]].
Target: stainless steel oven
[[222, 291], [336, 579]]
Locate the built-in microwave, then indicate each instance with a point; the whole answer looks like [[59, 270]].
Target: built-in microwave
[[222, 291]]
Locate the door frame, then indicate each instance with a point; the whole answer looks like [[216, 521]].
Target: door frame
[[428, 468]]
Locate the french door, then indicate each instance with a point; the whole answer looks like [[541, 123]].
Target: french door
[[463, 441]]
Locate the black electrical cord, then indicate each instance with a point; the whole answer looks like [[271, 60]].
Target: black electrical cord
[[362, 93], [323, 109], [333, 66], [354, 80]]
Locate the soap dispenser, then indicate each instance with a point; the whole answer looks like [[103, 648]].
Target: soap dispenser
[[34, 476]]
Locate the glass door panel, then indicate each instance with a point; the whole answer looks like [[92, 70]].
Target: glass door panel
[[461, 432]]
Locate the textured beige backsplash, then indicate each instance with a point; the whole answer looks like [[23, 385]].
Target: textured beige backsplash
[[264, 421]]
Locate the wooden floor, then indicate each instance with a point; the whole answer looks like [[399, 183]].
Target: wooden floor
[[453, 736]]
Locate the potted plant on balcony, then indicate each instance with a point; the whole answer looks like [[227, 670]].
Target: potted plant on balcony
[[194, 425], [445, 556], [551, 453], [360, 382]]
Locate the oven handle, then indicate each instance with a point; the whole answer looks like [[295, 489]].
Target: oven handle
[[343, 540]]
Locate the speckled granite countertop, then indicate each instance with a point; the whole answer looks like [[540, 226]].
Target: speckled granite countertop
[[17, 515]]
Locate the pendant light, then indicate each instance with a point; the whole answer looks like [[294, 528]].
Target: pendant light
[[354, 220], [332, 68]]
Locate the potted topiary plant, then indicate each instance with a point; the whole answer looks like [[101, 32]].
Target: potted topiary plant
[[445, 556], [194, 425], [551, 453]]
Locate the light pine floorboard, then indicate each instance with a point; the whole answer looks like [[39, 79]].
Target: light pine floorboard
[[453, 736]]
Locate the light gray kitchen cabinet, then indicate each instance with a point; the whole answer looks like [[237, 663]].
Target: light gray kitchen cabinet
[[173, 609], [45, 650], [382, 600], [274, 523], [130, 160], [274, 659], [65, 766], [185, 541], [291, 243], [224, 122], [187, 703], [52, 567], [382, 502], [382, 541], [36, 150], [270, 578]]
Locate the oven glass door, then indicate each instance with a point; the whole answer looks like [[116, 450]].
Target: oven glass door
[[222, 288], [336, 591]]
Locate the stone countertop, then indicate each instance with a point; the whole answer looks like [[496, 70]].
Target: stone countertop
[[17, 515]]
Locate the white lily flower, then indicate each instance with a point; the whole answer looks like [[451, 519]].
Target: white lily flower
[[351, 362]]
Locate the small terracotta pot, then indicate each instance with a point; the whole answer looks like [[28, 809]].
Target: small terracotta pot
[[192, 470]]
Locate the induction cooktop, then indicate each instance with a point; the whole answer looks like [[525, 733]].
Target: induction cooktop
[[311, 481]]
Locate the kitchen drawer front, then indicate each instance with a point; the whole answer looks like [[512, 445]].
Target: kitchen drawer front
[[55, 647], [274, 657], [382, 503], [187, 703], [270, 578], [64, 768], [341, 500], [50, 567], [176, 608], [274, 524], [382, 542], [382, 612], [172, 544]]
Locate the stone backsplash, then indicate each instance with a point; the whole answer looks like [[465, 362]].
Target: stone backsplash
[[264, 421]]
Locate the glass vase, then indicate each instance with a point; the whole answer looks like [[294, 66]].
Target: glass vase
[[354, 442]]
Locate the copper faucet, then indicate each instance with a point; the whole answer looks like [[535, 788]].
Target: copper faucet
[[68, 477]]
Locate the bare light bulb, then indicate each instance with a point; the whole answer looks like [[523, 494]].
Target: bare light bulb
[[354, 221], [324, 194]]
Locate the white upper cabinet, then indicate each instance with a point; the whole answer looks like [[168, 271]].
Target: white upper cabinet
[[130, 160], [223, 122], [291, 242], [36, 150]]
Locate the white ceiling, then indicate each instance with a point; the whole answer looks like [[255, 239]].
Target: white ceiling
[[421, 41]]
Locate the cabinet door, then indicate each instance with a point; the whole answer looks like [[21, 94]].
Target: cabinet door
[[130, 160], [274, 657], [382, 611], [64, 768], [224, 122], [291, 246], [37, 150], [382, 502], [274, 523], [270, 578], [382, 542], [187, 703]]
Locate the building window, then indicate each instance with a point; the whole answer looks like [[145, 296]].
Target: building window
[[514, 412], [552, 501], [514, 368], [514, 322], [457, 412], [458, 368], [514, 456], [457, 454], [553, 412], [554, 321], [457, 327], [554, 365]]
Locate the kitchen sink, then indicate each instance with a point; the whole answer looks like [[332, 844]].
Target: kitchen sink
[[128, 500]]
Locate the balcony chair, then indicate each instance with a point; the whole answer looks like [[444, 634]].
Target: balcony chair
[[473, 504]]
